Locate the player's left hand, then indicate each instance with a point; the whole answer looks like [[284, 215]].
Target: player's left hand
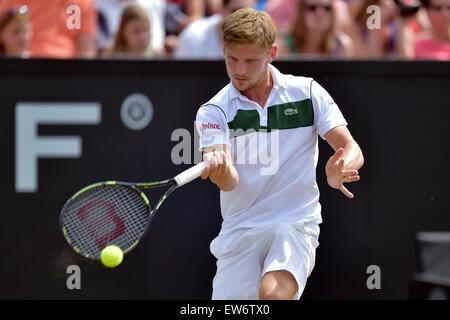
[[337, 175]]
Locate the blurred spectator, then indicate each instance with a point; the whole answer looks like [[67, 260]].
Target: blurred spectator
[[108, 19], [155, 10], [435, 45], [54, 35], [181, 13], [110, 11], [315, 33], [393, 36], [283, 13], [133, 36], [213, 7], [15, 32], [202, 39], [343, 15]]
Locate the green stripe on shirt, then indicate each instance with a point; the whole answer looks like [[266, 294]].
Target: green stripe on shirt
[[291, 115], [288, 115]]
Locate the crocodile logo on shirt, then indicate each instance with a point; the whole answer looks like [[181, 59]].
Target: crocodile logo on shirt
[[290, 111]]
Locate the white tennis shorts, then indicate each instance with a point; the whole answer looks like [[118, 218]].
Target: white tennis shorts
[[244, 256]]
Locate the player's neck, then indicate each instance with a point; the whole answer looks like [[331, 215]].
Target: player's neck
[[261, 91]]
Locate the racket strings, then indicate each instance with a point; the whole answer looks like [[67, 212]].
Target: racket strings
[[106, 214]]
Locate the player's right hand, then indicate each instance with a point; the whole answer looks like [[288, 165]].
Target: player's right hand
[[219, 168], [217, 163]]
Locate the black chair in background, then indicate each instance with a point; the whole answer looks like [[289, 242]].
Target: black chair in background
[[432, 281]]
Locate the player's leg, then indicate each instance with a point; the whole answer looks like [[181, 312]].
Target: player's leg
[[278, 285], [237, 278], [239, 268], [289, 261]]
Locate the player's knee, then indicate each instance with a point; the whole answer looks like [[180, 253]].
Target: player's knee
[[233, 296], [278, 285], [277, 294]]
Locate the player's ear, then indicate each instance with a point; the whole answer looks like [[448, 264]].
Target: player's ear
[[273, 53]]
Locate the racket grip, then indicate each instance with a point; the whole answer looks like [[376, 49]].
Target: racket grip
[[190, 174]]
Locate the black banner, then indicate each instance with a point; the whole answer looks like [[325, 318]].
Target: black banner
[[66, 124]]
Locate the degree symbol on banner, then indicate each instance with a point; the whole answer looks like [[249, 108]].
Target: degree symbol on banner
[[136, 111]]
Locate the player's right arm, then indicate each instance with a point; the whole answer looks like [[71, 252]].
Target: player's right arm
[[219, 167], [215, 144]]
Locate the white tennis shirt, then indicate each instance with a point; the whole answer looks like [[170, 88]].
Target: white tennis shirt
[[275, 149]]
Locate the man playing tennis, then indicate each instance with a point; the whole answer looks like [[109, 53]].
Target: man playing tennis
[[266, 247]]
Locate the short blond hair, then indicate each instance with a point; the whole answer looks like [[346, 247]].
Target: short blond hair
[[249, 26]]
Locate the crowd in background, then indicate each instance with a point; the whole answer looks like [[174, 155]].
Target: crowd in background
[[190, 29]]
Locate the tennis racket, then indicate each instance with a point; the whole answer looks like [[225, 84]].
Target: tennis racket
[[114, 213]]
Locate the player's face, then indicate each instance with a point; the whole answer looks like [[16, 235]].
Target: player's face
[[247, 64]]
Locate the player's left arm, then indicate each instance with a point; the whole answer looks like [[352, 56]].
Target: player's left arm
[[343, 166]]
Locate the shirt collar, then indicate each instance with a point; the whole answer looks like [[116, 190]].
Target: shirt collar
[[278, 79]]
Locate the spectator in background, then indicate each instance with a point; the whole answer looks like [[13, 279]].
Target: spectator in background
[[213, 7], [394, 36], [435, 45], [133, 36], [15, 32], [155, 10], [51, 34], [315, 34], [108, 19], [181, 13], [202, 39], [283, 13], [110, 11]]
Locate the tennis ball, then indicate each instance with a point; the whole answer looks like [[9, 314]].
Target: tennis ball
[[111, 256]]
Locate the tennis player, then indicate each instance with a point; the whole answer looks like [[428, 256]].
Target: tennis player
[[271, 211]]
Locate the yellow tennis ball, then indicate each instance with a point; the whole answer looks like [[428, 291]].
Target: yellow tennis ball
[[111, 256]]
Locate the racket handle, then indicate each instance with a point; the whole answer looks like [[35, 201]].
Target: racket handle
[[190, 174]]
